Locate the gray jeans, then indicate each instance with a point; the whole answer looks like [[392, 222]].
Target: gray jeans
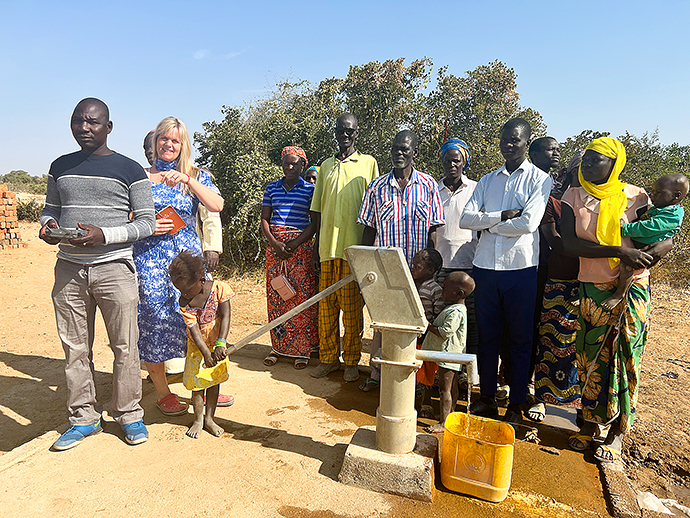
[[79, 289]]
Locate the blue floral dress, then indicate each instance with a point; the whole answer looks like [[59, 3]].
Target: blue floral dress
[[162, 331]]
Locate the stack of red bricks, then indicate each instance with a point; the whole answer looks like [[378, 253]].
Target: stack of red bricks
[[9, 224]]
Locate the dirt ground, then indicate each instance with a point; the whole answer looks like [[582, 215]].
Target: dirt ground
[[657, 452], [287, 432]]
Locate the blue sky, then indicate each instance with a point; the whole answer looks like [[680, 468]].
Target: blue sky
[[602, 65]]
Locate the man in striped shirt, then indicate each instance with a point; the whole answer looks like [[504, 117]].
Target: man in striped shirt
[[403, 209], [95, 190]]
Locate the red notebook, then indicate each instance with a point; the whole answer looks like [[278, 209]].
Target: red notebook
[[170, 213]]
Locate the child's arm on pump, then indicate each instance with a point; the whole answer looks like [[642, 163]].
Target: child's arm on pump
[[209, 360], [224, 311]]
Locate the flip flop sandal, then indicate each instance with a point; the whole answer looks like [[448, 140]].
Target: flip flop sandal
[[171, 406], [301, 363], [503, 393], [369, 385], [606, 454], [536, 413], [270, 360], [223, 400], [435, 428], [579, 442], [426, 412]]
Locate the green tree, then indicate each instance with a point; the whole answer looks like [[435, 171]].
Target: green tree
[[242, 169], [21, 181], [473, 107], [386, 98], [296, 114], [579, 142]]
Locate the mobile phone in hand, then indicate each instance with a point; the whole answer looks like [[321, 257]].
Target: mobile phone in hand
[[65, 233]]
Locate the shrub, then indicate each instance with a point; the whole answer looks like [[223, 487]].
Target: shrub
[[29, 210]]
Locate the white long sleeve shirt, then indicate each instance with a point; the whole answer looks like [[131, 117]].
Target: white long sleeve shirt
[[512, 244]]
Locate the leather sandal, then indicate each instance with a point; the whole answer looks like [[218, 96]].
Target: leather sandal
[[606, 453], [536, 412], [270, 360], [484, 407], [369, 385], [513, 414], [301, 363]]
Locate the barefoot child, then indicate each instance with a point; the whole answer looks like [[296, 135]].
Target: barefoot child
[[205, 306], [448, 334], [425, 265], [660, 222]]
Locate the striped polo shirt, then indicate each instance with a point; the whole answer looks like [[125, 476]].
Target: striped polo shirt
[[402, 218], [290, 208]]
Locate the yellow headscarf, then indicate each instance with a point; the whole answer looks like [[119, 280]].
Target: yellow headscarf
[[613, 200]]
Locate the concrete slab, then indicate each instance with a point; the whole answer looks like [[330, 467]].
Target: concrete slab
[[410, 475], [620, 494], [561, 417]]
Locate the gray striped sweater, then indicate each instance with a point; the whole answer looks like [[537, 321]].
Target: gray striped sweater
[[101, 191]]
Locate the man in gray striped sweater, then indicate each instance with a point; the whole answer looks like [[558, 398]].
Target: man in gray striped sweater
[[95, 190]]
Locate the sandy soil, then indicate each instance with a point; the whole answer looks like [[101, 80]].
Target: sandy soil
[[657, 453], [286, 434]]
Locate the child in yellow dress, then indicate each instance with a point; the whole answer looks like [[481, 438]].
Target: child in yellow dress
[[205, 306]]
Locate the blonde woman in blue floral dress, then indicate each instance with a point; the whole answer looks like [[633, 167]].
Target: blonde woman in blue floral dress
[[177, 183]]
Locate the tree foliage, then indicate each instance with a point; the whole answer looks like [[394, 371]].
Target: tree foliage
[[21, 181], [474, 107], [242, 168], [386, 97], [243, 149]]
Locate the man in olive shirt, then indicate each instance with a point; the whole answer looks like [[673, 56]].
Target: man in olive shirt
[[338, 195]]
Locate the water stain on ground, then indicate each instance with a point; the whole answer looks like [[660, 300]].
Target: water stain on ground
[[274, 411], [347, 432], [543, 484], [348, 403], [297, 512]]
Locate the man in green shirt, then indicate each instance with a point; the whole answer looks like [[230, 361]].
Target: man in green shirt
[[338, 195]]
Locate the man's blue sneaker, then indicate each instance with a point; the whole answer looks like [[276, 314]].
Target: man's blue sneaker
[[135, 433], [76, 434]]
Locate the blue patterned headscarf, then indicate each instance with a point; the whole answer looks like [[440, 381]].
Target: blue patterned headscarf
[[460, 145]]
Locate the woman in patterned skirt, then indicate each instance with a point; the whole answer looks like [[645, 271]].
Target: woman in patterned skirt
[[609, 344], [555, 373], [286, 224]]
